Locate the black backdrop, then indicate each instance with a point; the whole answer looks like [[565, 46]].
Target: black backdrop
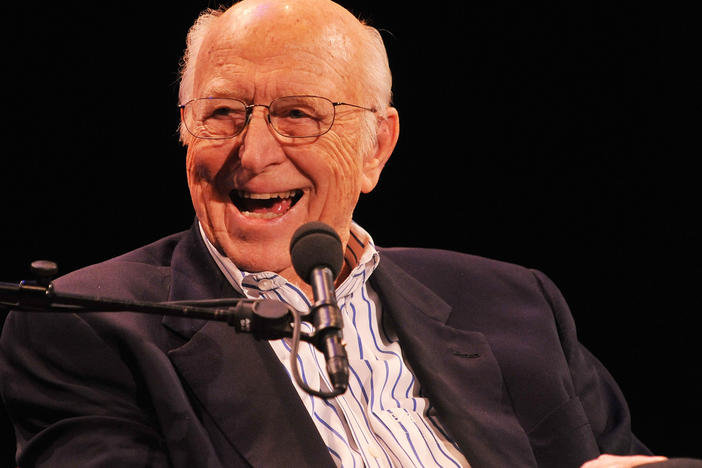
[[546, 135]]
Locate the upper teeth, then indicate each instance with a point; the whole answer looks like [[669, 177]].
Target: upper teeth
[[266, 196]]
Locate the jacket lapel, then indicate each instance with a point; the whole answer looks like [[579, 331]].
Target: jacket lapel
[[239, 387], [456, 369]]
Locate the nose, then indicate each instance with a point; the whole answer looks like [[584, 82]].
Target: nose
[[259, 147]]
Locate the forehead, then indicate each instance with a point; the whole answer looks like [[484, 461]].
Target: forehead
[[262, 49], [227, 72]]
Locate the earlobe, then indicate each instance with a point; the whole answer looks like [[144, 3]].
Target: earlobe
[[388, 133]]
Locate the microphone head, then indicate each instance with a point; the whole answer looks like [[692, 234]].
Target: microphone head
[[313, 245]]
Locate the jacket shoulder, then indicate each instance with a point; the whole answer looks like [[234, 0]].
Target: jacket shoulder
[[143, 273], [485, 294], [439, 268]]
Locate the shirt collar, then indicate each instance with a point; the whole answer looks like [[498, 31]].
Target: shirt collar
[[360, 256]]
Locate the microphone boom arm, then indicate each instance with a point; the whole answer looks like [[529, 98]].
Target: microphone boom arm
[[264, 319]]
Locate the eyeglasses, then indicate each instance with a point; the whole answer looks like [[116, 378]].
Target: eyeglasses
[[290, 116]]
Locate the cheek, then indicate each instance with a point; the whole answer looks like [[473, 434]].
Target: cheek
[[342, 163], [203, 164], [197, 174], [197, 170], [196, 164], [344, 153], [205, 161], [337, 180]]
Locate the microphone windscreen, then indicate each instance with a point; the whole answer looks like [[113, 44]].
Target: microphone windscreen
[[316, 244]]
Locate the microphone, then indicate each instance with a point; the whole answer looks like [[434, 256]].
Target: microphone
[[317, 256]]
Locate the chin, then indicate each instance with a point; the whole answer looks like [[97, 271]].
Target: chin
[[255, 254]]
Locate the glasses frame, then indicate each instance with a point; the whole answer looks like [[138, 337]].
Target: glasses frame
[[249, 108]]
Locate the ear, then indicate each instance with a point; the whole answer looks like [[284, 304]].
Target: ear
[[388, 132]]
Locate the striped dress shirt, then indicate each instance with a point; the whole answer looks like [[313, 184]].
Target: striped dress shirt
[[382, 420]]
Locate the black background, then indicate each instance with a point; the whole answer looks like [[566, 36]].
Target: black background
[[553, 135]]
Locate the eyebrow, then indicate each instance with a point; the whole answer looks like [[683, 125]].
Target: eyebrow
[[221, 90]]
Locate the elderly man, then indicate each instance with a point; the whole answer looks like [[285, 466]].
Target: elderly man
[[454, 360]]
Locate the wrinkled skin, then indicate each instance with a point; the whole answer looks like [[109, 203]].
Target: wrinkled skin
[[257, 51]]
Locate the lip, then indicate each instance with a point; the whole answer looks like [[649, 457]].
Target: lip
[[262, 200]]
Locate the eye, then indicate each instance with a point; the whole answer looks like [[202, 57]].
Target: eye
[[294, 113], [297, 114], [301, 116], [294, 109], [225, 111], [221, 111]]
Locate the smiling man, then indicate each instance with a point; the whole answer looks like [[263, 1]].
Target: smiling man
[[311, 139], [454, 360]]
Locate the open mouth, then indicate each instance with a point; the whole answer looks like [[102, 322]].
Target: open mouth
[[265, 205]]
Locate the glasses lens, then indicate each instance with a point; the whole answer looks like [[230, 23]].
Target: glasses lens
[[215, 117], [301, 116]]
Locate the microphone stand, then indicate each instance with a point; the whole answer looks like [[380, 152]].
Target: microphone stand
[[263, 318]]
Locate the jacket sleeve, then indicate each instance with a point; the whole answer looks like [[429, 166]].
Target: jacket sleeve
[[70, 407], [602, 400]]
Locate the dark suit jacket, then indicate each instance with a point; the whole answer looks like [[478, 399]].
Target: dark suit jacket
[[492, 344]]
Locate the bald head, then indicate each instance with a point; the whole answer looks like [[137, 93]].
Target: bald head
[[292, 24], [259, 29]]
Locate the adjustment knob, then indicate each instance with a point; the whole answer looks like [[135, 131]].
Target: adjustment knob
[[44, 271]]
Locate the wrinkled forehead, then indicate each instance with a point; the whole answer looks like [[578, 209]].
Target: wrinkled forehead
[[258, 29]]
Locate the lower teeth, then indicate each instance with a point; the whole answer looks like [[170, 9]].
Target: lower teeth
[[268, 215]]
